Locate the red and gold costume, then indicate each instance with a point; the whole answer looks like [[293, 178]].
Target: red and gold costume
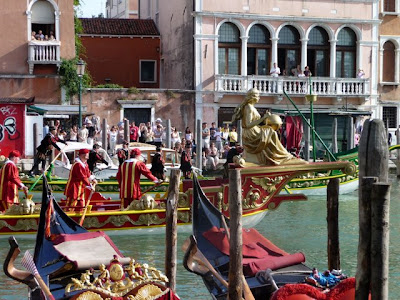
[[79, 179], [9, 184], [128, 177]]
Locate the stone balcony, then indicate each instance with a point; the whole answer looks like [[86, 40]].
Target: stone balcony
[[274, 86], [43, 52]]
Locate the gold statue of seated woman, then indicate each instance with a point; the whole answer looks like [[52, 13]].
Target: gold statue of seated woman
[[260, 139]]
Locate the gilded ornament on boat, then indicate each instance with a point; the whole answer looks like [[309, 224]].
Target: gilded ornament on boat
[[147, 292], [26, 207], [149, 219], [184, 216], [147, 202], [250, 201], [21, 225], [268, 184], [117, 281], [350, 168], [89, 296], [183, 200], [220, 201], [56, 187]]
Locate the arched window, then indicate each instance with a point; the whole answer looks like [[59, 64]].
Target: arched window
[[229, 49], [389, 5], [318, 57], [288, 48], [388, 62], [43, 19], [346, 53], [258, 51]]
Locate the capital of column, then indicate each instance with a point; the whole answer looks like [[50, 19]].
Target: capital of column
[[274, 39], [333, 41], [244, 38], [304, 40]]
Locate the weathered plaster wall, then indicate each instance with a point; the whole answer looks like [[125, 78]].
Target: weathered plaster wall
[[46, 89], [178, 107]]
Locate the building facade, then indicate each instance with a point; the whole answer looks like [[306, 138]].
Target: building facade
[[123, 9], [389, 64], [236, 43], [122, 51]]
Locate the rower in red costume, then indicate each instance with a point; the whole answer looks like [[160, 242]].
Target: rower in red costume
[[128, 177], [79, 179], [10, 182]]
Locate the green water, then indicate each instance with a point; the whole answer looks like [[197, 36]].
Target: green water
[[296, 226]]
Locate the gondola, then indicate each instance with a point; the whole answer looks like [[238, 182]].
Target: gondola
[[270, 272], [67, 259]]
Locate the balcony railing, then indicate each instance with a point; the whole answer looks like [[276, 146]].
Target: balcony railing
[[43, 52], [323, 86]]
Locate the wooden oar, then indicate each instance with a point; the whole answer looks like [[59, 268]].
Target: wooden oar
[[45, 170], [87, 205], [248, 295], [29, 264], [152, 187]]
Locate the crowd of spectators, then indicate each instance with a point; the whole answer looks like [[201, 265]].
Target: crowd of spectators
[[216, 141]]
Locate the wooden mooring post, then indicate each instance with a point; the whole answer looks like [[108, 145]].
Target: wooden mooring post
[[333, 224], [171, 232], [373, 166], [235, 246], [380, 203]]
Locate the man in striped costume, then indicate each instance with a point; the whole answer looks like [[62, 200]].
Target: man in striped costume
[[10, 181], [128, 177], [79, 179]]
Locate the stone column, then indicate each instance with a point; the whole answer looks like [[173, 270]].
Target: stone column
[[244, 55], [274, 52], [303, 53], [333, 59]]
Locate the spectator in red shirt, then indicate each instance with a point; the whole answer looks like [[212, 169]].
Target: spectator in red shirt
[[133, 132]]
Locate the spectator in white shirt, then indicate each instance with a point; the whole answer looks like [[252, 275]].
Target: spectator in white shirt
[[275, 71]]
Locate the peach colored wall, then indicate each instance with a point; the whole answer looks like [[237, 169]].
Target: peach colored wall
[[118, 59], [14, 53], [46, 90], [292, 8], [390, 26], [179, 108]]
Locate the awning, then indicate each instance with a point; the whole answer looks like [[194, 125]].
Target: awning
[[61, 111], [35, 109]]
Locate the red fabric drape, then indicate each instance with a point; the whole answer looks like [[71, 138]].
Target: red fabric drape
[[294, 133]]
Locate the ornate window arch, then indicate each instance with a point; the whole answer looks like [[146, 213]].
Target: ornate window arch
[[346, 52], [258, 50], [389, 60], [229, 44], [43, 15], [318, 57], [289, 48]]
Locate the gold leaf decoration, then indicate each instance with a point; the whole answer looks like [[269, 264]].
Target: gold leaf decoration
[[183, 200], [149, 219], [147, 292], [268, 184], [184, 216], [89, 296], [21, 225]]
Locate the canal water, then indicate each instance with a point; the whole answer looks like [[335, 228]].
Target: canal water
[[294, 226]]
